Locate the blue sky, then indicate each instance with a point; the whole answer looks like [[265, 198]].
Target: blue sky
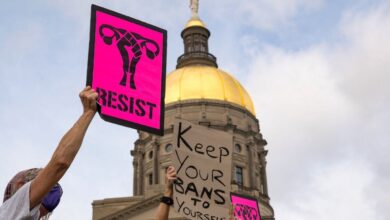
[[317, 72]]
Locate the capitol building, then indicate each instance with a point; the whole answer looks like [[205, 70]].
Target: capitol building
[[200, 92]]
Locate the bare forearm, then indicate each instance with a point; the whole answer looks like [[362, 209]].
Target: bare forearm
[[61, 160], [162, 212], [70, 144], [163, 209]]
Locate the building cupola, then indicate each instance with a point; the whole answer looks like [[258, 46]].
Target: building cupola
[[195, 38]]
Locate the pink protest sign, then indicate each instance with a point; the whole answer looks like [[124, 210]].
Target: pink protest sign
[[126, 66], [245, 208]]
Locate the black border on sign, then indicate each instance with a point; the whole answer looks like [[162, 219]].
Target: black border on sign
[[94, 9], [245, 197]]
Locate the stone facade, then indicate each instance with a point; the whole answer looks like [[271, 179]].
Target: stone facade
[[151, 156]]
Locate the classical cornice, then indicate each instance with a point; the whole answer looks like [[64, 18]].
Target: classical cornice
[[209, 102], [128, 212]]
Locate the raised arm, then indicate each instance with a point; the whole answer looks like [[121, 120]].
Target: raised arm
[[163, 208], [66, 151]]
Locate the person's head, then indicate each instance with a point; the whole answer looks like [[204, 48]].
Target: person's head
[[49, 202]]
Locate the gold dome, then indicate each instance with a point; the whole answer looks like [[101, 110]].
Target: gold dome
[[195, 21], [205, 82]]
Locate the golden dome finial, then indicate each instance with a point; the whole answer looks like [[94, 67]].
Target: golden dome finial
[[194, 5], [195, 37], [194, 20], [197, 76]]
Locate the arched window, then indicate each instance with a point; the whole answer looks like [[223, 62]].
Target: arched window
[[239, 176], [150, 179], [237, 148], [188, 42]]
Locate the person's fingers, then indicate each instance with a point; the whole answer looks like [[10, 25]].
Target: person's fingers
[[84, 90], [172, 179], [170, 170], [171, 174], [88, 93], [92, 96]]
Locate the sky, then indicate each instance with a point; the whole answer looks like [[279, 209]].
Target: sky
[[317, 71]]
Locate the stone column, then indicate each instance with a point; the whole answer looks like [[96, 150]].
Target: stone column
[[135, 178], [156, 151], [250, 164], [264, 173], [141, 168], [135, 154]]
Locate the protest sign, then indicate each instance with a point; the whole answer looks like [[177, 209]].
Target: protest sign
[[245, 208], [203, 159], [126, 66]]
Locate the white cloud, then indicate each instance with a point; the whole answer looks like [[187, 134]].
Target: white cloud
[[263, 14], [368, 35], [338, 191], [268, 14], [324, 112]]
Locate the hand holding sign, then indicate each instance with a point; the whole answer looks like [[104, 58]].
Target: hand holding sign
[[170, 177], [171, 174], [166, 200], [88, 98], [126, 66]]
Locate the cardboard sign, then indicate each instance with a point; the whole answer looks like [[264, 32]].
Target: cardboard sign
[[245, 208], [126, 66], [203, 159]]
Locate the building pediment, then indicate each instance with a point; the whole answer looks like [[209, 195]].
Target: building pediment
[[145, 210]]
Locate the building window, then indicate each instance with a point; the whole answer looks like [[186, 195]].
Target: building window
[[150, 179], [238, 176], [150, 154], [261, 185], [237, 148], [197, 42], [168, 148], [188, 44]]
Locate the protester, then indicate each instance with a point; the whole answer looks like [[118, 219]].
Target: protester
[[34, 193], [166, 200]]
